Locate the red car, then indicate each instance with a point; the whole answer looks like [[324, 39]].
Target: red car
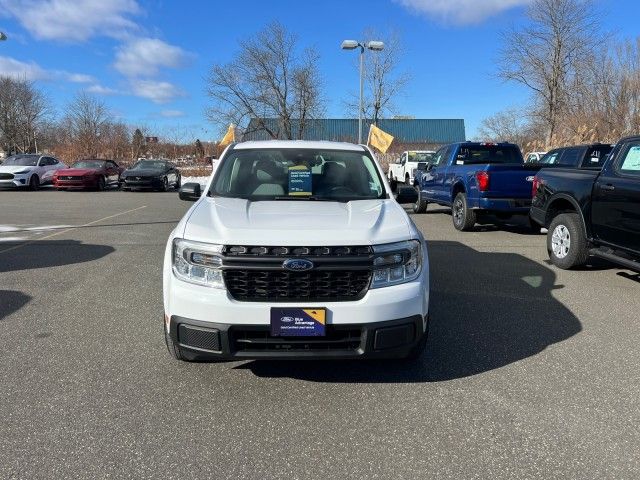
[[94, 173]]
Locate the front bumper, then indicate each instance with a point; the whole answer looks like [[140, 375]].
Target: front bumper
[[17, 181], [199, 340], [143, 183], [79, 183], [538, 215]]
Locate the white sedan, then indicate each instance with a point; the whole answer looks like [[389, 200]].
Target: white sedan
[[28, 170]]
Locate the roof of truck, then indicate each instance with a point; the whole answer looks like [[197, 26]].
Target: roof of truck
[[283, 144]]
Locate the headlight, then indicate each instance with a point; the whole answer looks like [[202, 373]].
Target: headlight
[[198, 263], [396, 263]]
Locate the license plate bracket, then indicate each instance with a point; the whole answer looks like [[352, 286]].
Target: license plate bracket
[[298, 322]]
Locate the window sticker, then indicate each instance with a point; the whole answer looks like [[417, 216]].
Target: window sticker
[[300, 180], [632, 160]]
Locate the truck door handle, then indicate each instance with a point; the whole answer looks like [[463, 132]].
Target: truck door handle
[[608, 187]]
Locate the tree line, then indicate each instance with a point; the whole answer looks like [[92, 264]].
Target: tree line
[[584, 83], [86, 129]]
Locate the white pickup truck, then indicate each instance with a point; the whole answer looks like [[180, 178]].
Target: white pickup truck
[[402, 171], [296, 249]]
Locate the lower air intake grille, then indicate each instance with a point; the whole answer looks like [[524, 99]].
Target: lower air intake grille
[[253, 340], [202, 338]]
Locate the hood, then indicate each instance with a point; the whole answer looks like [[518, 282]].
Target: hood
[[14, 168], [142, 173], [234, 221], [78, 171]]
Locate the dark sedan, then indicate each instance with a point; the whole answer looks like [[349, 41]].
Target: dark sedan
[[85, 174], [151, 175]]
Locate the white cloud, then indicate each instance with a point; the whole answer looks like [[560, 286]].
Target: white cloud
[[461, 12], [19, 70], [172, 113], [156, 91], [100, 90], [78, 77], [32, 71], [73, 20], [146, 56]]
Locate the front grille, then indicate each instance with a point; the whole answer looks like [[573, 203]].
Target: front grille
[[258, 339], [70, 178], [200, 338], [285, 286], [6, 176]]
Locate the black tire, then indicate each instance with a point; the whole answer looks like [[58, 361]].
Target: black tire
[[101, 184], [165, 184], [393, 183], [567, 242], [178, 182], [421, 204], [407, 180], [34, 182], [419, 348], [464, 218], [174, 350]]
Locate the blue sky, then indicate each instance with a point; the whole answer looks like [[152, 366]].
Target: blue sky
[[148, 58]]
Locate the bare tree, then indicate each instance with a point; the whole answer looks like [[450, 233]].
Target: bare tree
[[23, 111], [384, 83], [86, 118], [269, 78], [546, 54], [508, 126]]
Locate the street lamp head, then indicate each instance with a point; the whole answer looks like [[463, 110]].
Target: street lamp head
[[2, 36], [375, 45], [349, 44]]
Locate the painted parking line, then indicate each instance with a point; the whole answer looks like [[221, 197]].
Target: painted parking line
[[46, 237]]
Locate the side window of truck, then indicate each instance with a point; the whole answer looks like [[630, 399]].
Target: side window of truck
[[630, 164]]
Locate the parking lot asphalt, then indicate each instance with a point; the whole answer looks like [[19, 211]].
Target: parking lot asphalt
[[530, 371]]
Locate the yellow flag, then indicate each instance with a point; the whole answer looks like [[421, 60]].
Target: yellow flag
[[229, 137], [379, 139]]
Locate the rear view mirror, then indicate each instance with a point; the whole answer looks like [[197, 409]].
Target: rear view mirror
[[190, 192], [407, 195]]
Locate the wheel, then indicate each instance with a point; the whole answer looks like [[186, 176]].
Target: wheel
[[393, 183], [178, 182], [34, 182], [421, 204], [463, 217], [566, 241], [101, 184], [165, 184], [407, 180], [417, 351], [173, 349]]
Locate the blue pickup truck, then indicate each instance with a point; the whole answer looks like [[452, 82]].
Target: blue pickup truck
[[475, 179]]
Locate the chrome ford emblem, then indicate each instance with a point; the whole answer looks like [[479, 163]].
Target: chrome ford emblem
[[297, 264], [530, 178]]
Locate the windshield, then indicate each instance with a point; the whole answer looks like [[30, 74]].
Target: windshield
[[477, 154], [22, 161], [89, 164], [149, 165], [420, 156], [298, 174]]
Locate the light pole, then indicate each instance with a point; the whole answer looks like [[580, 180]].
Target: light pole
[[352, 45]]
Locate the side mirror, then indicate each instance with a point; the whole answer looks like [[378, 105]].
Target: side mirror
[[190, 192], [407, 195]]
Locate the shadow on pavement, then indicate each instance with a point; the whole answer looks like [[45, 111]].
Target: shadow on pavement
[[11, 301], [488, 310], [48, 253]]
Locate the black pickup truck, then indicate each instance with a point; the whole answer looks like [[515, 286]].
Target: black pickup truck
[[591, 212]]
